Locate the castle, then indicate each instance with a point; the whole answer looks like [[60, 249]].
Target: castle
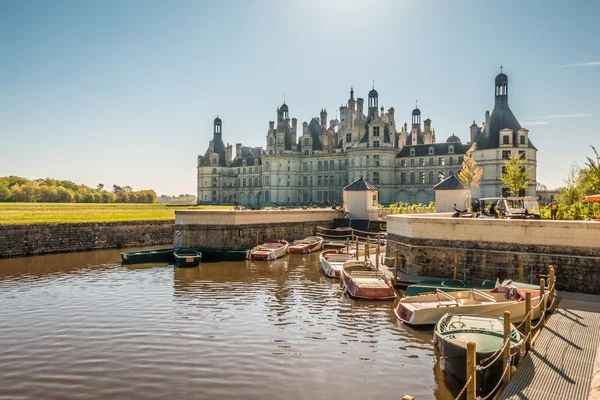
[[314, 166]]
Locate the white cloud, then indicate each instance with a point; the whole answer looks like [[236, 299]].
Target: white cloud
[[534, 123], [567, 116], [585, 64]]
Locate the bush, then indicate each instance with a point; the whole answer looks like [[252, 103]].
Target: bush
[[405, 208]]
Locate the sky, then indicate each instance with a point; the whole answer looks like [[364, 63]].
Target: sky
[[125, 92]]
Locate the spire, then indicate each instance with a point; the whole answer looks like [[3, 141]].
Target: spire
[[351, 93]]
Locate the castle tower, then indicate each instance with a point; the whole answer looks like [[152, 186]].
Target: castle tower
[[324, 118], [373, 100]]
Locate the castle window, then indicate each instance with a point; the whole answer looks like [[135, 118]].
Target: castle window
[[270, 152], [270, 141], [250, 182], [430, 161], [244, 182], [403, 163], [506, 154], [375, 131], [451, 172], [331, 165], [441, 161], [522, 154], [368, 162], [376, 161], [431, 150], [461, 159], [319, 181], [267, 166], [305, 181], [256, 182], [422, 178], [412, 162], [522, 139], [306, 152], [375, 143], [256, 161], [306, 141], [325, 166], [244, 163], [431, 177], [421, 162], [311, 181], [325, 181], [412, 152], [376, 178], [305, 167], [505, 139], [412, 178], [320, 166], [244, 170], [250, 170], [451, 149], [348, 137], [451, 160], [403, 178]]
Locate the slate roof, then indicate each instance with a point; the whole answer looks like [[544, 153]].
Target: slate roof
[[219, 148], [450, 183], [361, 184], [314, 129], [249, 154], [386, 132], [439, 149]]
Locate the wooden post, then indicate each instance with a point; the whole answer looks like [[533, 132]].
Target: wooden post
[[552, 286], [521, 271], [378, 253], [395, 266], [188, 236], [257, 238], [506, 356], [347, 246], [542, 301], [528, 310], [282, 235], [407, 397], [455, 265], [357, 248], [471, 371], [367, 248]]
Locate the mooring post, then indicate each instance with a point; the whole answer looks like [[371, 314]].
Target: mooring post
[[282, 235], [552, 287], [455, 265], [395, 266], [521, 271], [378, 253], [506, 357], [367, 243], [357, 248], [471, 371], [347, 246], [257, 238], [542, 302], [528, 310]]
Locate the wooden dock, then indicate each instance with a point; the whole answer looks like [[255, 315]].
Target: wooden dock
[[561, 363]]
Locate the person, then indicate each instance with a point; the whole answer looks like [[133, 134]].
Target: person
[[501, 208], [553, 208], [493, 212], [475, 206]]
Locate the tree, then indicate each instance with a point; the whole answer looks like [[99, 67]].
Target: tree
[[4, 192], [470, 175], [117, 189], [100, 186], [516, 177], [64, 195], [540, 187], [590, 175]]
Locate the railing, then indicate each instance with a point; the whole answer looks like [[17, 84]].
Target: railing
[[546, 305]]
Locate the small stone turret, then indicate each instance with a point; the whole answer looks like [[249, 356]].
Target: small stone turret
[[359, 104], [238, 150]]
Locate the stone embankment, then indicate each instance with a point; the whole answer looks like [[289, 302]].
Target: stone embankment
[[494, 248], [35, 239]]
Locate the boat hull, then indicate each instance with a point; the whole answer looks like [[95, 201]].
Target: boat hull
[[455, 285], [187, 257], [148, 256], [306, 248], [424, 310], [454, 361], [269, 251], [332, 261], [372, 285]]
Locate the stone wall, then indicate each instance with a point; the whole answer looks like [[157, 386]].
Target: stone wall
[[490, 249], [238, 229], [34, 239]]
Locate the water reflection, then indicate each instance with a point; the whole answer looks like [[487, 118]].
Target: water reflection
[[83, 326]]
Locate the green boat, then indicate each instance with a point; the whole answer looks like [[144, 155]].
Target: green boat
[[187, 257], [164, 256], [455, 285], [216, 255], [453, 332]]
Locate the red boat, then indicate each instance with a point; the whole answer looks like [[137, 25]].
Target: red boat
[[360, 279], [307, 245], [271, 250]]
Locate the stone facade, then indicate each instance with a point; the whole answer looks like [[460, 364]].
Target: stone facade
[[314, 165], [35, 239], [491, 249]]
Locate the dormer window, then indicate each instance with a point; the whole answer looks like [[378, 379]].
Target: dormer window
[[451, 149], [256, 161], [431, 150], [522, 140], [244, 162], [375, 131], [505, 139], [412, 152]]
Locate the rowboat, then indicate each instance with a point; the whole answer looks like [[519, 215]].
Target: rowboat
[[427, 309], [332, 262], [307, 245], [361, 280], [218, 254], [455, 285], [148, 256], [187, 257], [271, 250], [453, 332]]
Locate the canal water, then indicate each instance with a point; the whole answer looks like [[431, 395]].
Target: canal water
[[82, 326]]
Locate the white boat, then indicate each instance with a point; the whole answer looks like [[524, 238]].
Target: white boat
[[360, 279], [271, 250], [332, 262], [428, 308], [306, 245]]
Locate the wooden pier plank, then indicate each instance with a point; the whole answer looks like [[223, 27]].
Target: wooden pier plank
[[560, 365]]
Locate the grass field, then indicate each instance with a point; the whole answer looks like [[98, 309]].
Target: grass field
[[34, 213]]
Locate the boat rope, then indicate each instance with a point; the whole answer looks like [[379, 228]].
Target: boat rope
[[497, 384], [524, 320], [464, 387], [499, 352], [540, 320]]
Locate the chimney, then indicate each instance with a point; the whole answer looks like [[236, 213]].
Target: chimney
[[427, 125], [305, 128], [211, 147], [473, 131], [487, 118], [271, 125], [238, 150], [229, 153], [324, 118], [294, 125], [359, 102], [391, 116]]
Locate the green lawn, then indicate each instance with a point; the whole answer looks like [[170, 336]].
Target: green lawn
[[33, 213]]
